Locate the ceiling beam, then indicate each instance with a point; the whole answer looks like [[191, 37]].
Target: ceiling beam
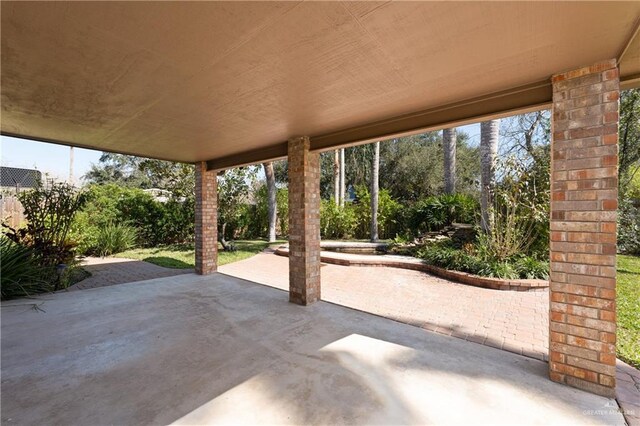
[[532, 97], [271, 153]]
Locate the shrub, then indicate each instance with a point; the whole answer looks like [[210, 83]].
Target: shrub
[[114, 238], [49, 212], [629, 228], [443, 254], [531, 268], [388, 213], [20, 274], [499, 269], [141, 211], [436, 212], [283, 210], [335, 221], [157, 223], [520, 215]]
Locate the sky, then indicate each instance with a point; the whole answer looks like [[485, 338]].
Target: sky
[[53, 159], [49, 158]]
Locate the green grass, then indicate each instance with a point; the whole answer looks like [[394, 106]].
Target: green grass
[[182, 256], [628, 309]]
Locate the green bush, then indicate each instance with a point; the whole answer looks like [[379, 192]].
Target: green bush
[[337, 222], [114, 238], [531, 268], [499, 269], [253, 221], [156, 223], [436, 212], [629, 227], [443, 254], [140, 210], [20, 273], [388, 214], [49, 212]]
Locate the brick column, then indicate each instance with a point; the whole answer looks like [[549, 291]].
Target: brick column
[[584, 200], [206, 228], [304, 222]]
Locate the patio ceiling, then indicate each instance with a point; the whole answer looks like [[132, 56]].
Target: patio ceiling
[[230, 82]]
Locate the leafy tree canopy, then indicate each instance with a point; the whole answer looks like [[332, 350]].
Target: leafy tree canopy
[[144, 173]]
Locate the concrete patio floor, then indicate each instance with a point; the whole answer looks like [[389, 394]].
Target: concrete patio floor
[[193, 350]]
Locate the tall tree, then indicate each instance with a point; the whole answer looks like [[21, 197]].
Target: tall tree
[[629, 139], [233, 187], [138, 172], [272, 208], [375, 171], [449, 143], [343, 183], [489, 136], [412, 167], [336, 177]]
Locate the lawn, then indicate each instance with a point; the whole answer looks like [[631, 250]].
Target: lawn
[[628, 304], [182, 256]]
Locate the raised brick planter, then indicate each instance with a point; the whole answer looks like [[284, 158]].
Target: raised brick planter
[[406, 262]]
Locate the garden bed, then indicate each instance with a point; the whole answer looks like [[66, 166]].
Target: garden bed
[[407, 262]]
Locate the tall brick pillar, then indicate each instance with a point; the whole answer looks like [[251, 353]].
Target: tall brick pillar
[[584, 170], [304, 222], [206, 228]]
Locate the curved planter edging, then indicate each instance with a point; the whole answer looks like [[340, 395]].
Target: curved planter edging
[[418, 265]]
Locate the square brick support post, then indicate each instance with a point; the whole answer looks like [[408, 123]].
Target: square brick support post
[[304, 222], [584, 201], [206, 229]]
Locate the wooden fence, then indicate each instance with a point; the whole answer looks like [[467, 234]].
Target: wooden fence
[[11, 211]]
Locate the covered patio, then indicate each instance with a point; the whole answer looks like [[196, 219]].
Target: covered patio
[[224, 84], [217, 349]]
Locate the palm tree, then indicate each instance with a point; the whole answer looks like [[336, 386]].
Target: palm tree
[[449, 147], [375, 171], [272, 208], [343, 185], [336, 176], [489, 137]]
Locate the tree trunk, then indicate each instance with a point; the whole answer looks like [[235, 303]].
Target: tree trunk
[[343, 185], [449, 147], [225, 245], [489, 136], [272, 207], [336, 176], [375, 171]]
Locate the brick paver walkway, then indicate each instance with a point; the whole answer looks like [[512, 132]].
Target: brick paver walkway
[[509, 320], [112, 270]]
